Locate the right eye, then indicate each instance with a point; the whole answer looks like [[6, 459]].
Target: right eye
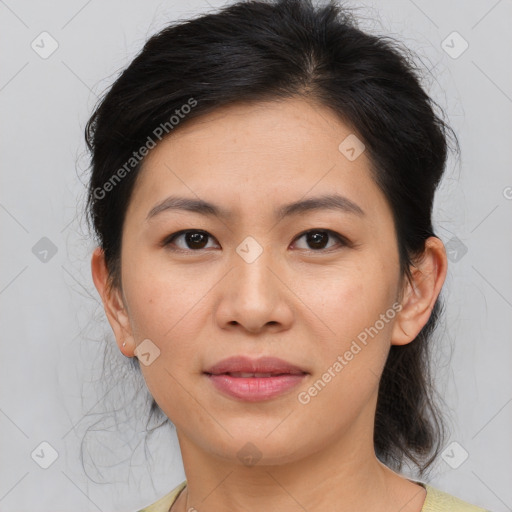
[[194, 239]]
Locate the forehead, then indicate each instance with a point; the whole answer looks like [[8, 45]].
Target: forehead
[[280, 127], [255, 153]]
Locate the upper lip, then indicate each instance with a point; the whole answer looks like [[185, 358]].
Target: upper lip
[[245, 364]]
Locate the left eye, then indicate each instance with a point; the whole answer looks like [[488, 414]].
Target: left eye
[[318, 238], [197, 239]]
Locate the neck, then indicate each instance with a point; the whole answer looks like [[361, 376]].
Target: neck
[[345, 476]]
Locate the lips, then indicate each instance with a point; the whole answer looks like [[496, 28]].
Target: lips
[[254, 380], [245, 367]]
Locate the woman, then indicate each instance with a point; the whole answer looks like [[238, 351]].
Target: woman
[[261, 191]]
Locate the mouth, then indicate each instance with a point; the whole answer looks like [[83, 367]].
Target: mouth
[[263, 367], [249, 375], [254, 380]]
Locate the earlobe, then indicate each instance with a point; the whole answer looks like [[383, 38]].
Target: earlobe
[[113, 305], [421, 293]]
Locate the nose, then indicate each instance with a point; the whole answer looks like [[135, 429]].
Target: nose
[[255, 296]]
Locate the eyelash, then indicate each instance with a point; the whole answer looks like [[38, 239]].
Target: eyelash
[[342, 240]]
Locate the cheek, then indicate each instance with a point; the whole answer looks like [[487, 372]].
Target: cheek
[[158, 295], [352, 354], [163, 303], [161, 312], [354, 309], [351, 298]]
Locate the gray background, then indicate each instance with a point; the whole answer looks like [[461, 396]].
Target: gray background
[[53, 326]]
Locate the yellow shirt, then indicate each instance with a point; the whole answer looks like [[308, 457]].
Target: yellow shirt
[[435, 501]]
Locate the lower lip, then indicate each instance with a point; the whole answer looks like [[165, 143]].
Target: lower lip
[[255, 389]]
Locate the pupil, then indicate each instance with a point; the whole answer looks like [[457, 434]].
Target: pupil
[[195, 238], [316, 238]]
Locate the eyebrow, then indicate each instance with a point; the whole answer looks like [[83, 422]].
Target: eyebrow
[[324, 202]]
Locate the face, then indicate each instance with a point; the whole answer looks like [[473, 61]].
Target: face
[[316, 287]]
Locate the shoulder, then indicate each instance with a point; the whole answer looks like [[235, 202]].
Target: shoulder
[[435, 501], [440, 501], [165, 502]]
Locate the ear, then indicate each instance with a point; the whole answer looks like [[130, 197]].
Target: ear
[[113, 304], [419, 297]]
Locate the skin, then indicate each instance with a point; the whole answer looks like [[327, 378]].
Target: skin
[[297, 302]]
